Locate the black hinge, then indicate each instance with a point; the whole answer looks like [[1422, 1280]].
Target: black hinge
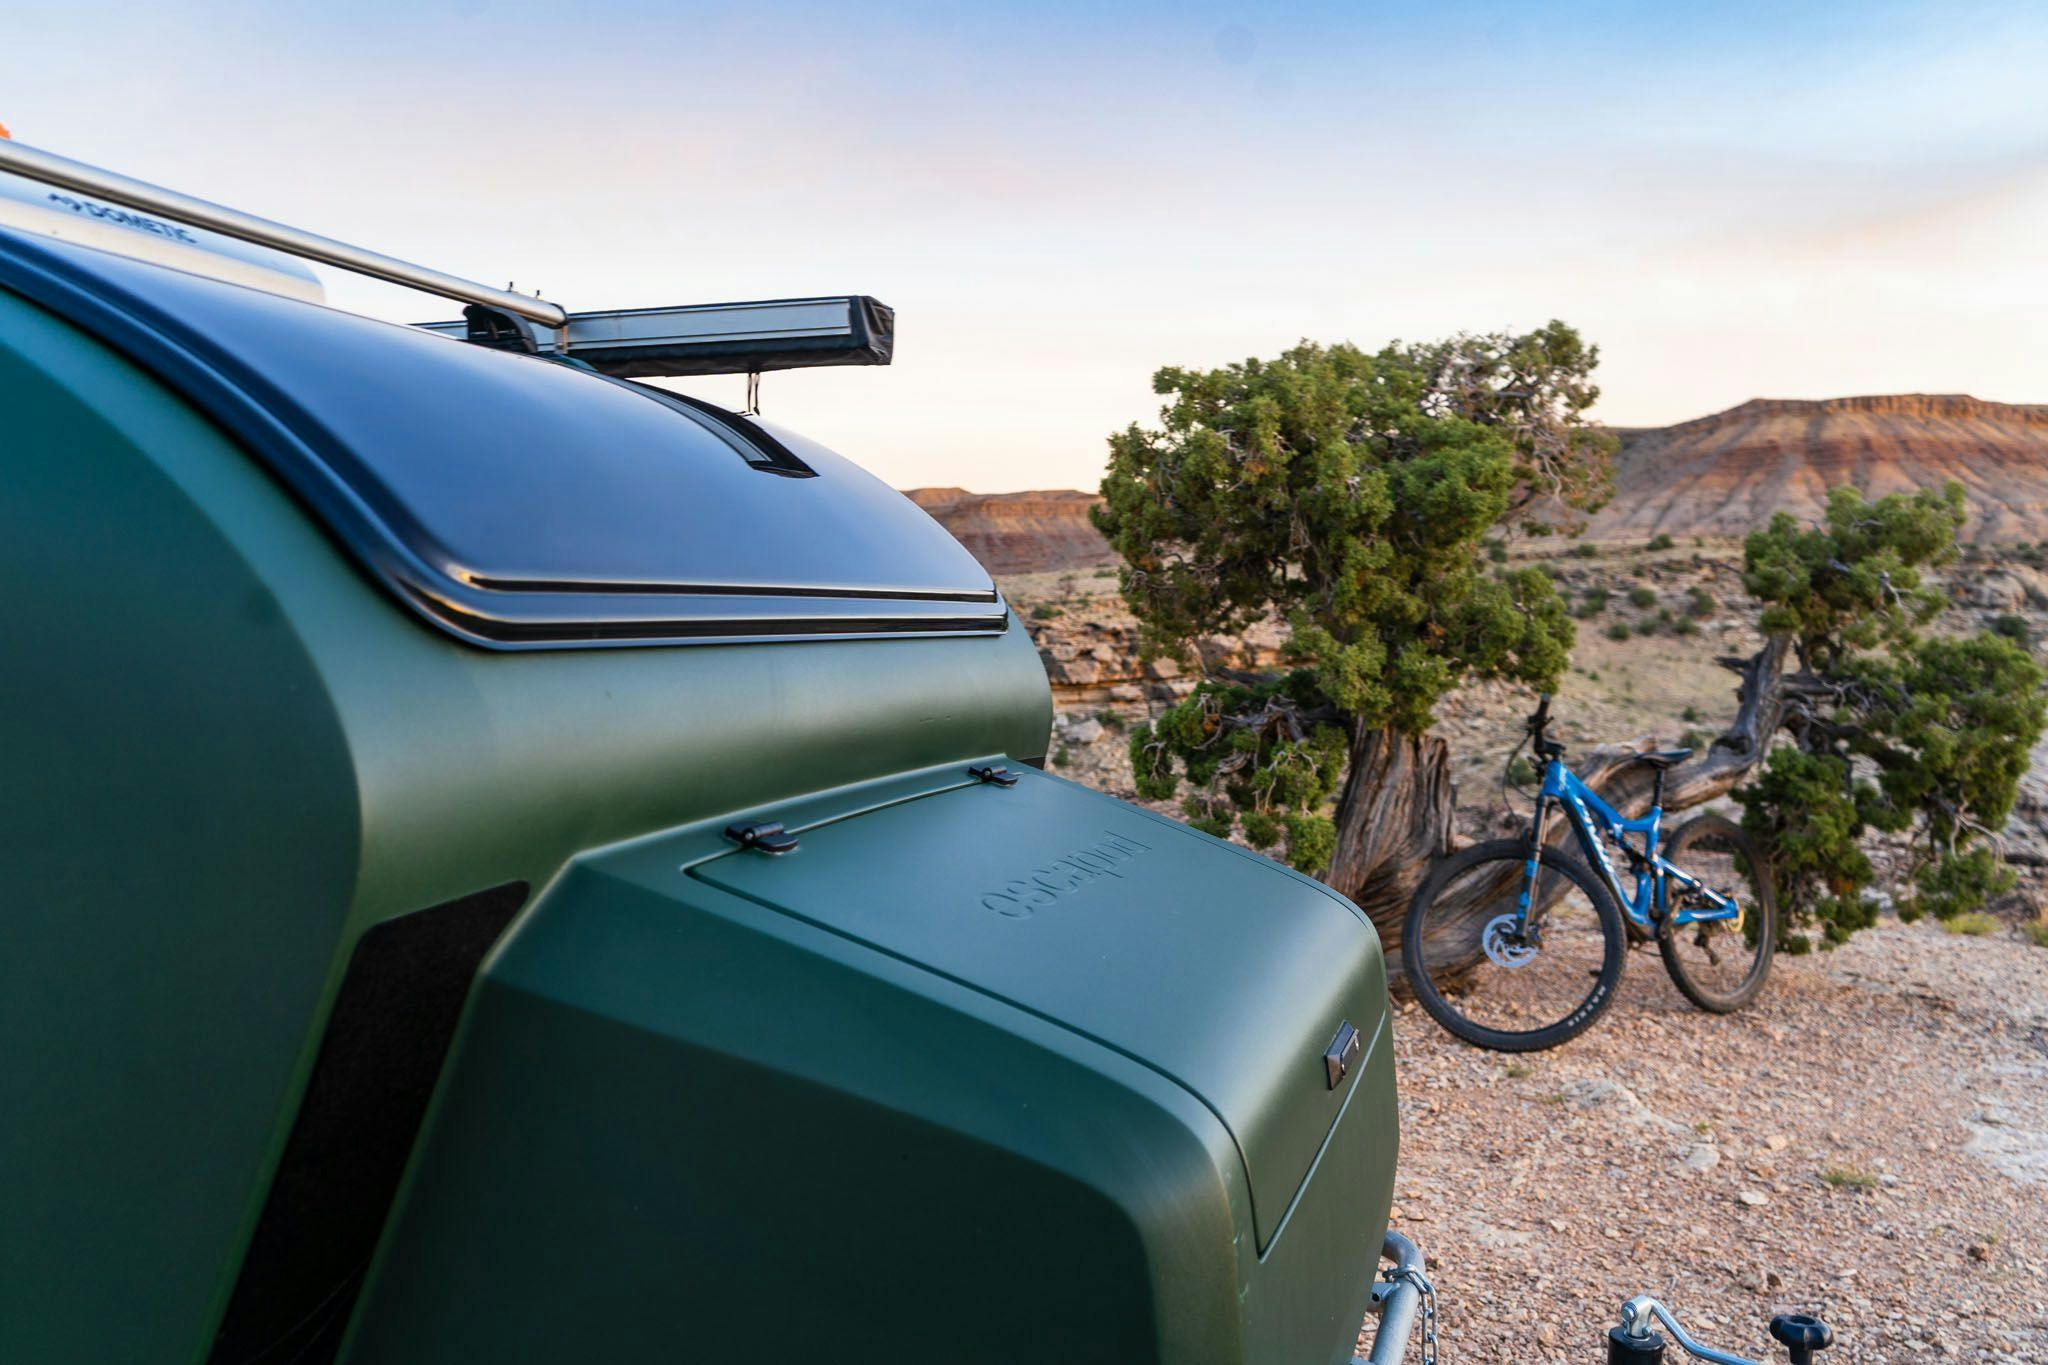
[[994, 774], [769, 837]]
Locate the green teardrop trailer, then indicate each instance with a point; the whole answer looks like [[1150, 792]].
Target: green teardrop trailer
[[504, 863]]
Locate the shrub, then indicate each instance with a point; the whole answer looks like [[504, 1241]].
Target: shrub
[[1943, 726], [1347, 493], [1642, 598], [1804, 810], [1046, 611], [2014, 628], [1585, 551], [1497, 551], [1660, 541], [1619, 631], [1700, 602], [1685, 625], [1974, 924]]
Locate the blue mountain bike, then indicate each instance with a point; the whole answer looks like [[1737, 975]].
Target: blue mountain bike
[[1517, 945]]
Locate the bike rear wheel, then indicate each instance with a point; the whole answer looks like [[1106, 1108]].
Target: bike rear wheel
[[1488, 987], [1720, 965]]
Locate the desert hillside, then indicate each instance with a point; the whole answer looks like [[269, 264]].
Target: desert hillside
[[1724, 475], [1012, 533], [1721, 476]]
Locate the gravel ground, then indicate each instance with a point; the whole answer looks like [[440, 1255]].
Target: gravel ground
[[1868, 1141]]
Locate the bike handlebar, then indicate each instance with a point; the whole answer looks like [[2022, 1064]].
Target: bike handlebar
[[1538, 723]]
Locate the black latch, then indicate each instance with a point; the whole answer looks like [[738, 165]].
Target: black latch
[[769, 837], [1342, 1054], [993, 774]]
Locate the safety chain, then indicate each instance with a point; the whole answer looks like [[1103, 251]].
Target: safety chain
[[1421, 1281]]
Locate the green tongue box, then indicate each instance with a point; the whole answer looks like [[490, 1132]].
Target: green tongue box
[[402, 963]]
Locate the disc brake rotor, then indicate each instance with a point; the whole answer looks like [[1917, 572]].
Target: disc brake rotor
[[1504, 944]]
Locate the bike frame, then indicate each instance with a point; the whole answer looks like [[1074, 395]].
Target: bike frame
[[1650, 902]]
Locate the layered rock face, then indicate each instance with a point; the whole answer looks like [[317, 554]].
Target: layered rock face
[[1726, 474], [1013, 533]]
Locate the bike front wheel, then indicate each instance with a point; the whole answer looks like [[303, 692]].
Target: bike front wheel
[[1499, 988], [1720, 965]]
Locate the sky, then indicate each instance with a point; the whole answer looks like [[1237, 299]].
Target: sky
[[1731, 200]]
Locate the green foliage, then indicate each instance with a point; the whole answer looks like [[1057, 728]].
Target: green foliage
[[1685, 625], [1535, 387], [1975, 924], [1642, 598], [1252, 759], [1700, 602], [1805, 811], [1619, 631], [2013, 627], [1854, 582], [1660, 541], [1942, 726], [1592, 602], [1046, 611], [1348, 494], [1954, 886], [1522, 770], [1585, 551]]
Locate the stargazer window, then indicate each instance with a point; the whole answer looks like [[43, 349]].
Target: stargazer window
[[522, 501]]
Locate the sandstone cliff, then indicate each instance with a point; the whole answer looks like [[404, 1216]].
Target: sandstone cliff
[[1724, 475], [1013, 533]]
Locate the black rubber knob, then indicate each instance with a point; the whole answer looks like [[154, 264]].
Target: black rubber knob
[[1802, 1334], [1623, 1349]]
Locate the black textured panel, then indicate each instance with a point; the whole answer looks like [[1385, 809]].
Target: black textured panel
[[386, 1040]]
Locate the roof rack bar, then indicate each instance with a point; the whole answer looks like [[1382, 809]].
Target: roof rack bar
[[65, 173]]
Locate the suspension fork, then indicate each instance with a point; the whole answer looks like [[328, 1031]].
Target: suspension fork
[[1527, 905]]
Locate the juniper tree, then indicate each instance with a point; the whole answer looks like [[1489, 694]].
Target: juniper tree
[[1349, 495], [1893, 728]]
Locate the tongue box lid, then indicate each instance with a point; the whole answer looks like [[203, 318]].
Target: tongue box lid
[[1205, 962]]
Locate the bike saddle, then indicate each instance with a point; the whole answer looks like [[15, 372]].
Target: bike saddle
[[1664, 758]]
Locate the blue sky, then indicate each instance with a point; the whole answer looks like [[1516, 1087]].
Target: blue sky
[[1734, 200]]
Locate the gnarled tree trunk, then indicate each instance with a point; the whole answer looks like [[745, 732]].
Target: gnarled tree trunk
[[1393, 823], [1394, 813]]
